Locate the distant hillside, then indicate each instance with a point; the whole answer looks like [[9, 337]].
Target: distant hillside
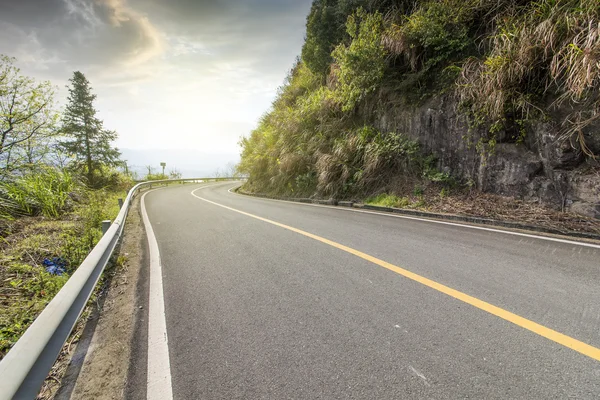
[[190, 163], [398, 96]]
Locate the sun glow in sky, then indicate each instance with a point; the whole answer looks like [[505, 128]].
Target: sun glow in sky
[[177, 74]]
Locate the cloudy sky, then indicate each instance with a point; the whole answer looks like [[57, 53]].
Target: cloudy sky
[[179, 74]]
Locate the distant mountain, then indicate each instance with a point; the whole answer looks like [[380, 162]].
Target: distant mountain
[[190, 163]]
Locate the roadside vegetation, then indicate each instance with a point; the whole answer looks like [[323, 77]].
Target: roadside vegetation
[[508, 62], [60, 177]]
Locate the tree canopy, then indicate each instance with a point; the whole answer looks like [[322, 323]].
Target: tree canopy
[[86, 140], [27, 117]]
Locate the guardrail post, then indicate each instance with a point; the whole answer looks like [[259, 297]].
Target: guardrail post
[[105, 225], [120, 201]]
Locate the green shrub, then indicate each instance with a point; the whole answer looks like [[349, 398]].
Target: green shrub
[[418, 191], [306, 183], [45, 191], [113, 179], [435, 32], [539, 53], [431, 173], [389, 200], [384, 200], [156, 177], [98, 205], [359, 66], [321, 37]]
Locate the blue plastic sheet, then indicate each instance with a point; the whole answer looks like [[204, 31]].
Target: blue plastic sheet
[[56, 266]]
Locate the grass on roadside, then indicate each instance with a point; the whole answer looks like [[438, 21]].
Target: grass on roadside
[[388, 200], [25, 285]]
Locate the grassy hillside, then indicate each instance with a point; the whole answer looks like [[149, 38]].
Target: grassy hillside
[[59, 180], [42, 249], [509, 64]]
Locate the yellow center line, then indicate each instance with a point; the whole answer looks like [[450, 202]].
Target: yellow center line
[[525, 323]]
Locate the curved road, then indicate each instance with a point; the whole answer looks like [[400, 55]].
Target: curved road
[[274, 300]]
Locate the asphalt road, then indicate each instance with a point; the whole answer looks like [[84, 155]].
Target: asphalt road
[[255, 310]]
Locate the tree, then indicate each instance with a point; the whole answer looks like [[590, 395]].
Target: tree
[[27, 116], [321, 36], [86, 140], [217, 174], [326, 27], [231, 170]]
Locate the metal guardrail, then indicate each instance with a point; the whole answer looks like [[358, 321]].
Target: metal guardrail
[[26, 366]]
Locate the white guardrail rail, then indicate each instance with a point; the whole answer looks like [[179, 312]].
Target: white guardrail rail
[[26, 366]]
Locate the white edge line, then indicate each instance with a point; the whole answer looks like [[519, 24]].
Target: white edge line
[[433, 221], [159, 369]]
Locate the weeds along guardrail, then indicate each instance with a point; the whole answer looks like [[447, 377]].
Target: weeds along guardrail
[[26, 366]]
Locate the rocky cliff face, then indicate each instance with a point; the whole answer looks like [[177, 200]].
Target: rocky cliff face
[[542, 168]]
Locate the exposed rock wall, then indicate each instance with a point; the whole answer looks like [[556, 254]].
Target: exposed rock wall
[[543, 168]]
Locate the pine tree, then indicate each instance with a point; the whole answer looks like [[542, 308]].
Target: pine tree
[[86, 140]]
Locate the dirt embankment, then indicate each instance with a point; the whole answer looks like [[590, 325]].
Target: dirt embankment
[[435, 198], [99, 367]]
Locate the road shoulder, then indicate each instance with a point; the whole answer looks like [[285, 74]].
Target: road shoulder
[[103, 373]]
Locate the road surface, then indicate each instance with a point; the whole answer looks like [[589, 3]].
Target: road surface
[[274, 300]]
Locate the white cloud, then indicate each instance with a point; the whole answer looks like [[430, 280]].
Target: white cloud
[[168, 73]]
